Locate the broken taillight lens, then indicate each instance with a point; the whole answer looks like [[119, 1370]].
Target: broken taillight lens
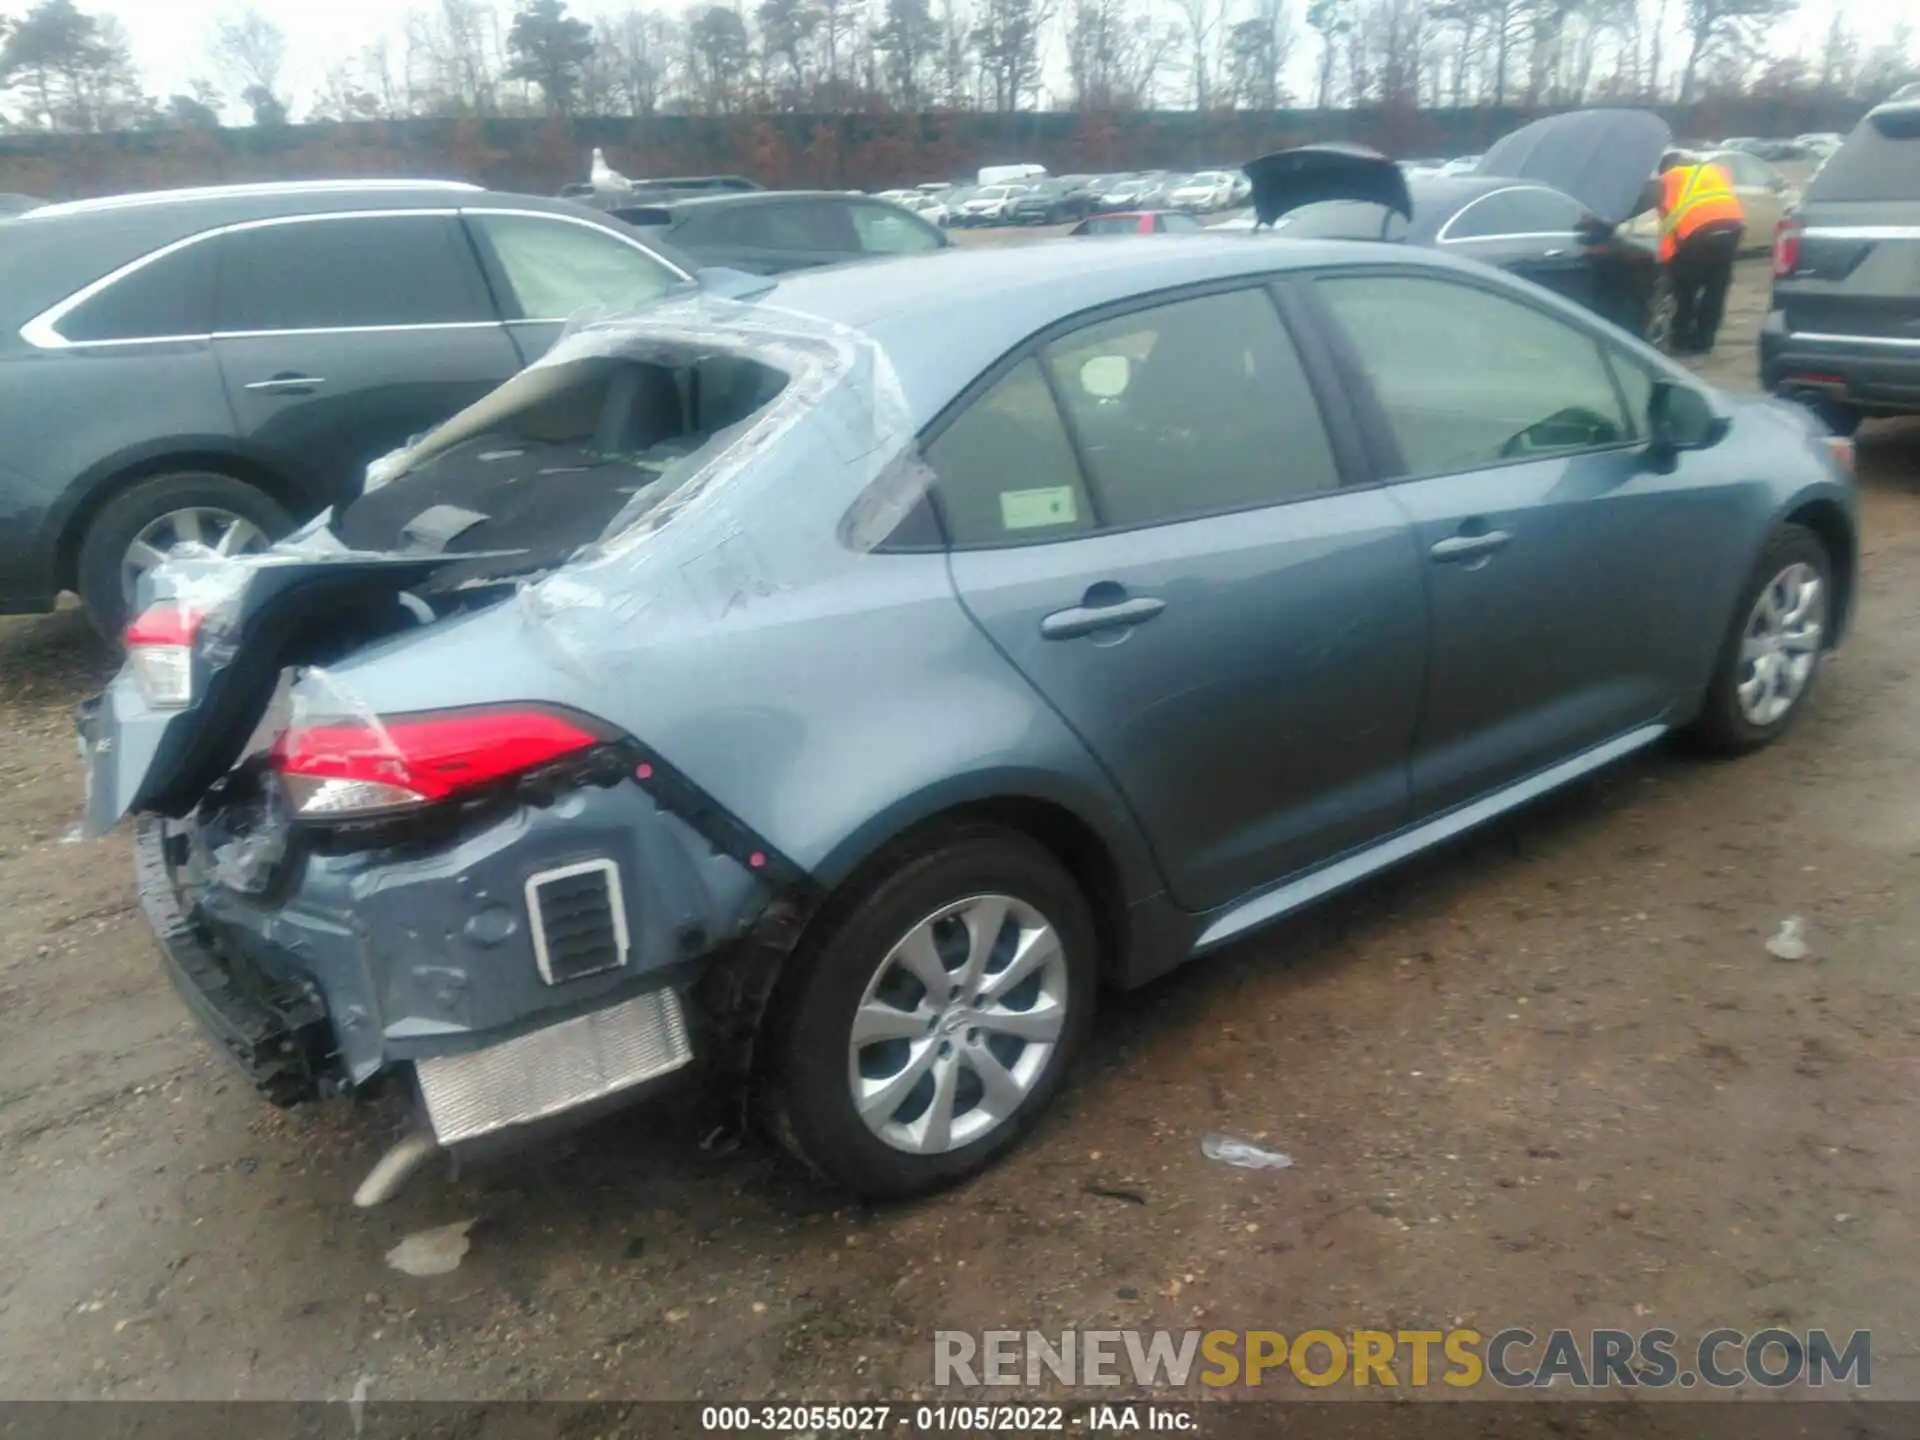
[[159, 645], [1786, 248], [353, 766]]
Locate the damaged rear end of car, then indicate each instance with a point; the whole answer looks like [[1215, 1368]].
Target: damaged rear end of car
[[392, 818]]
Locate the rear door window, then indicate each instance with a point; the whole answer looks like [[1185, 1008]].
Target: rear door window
[[888, 232], [171, 296], [1193, 408], [348, 272], [552, 267], [1880, 160]]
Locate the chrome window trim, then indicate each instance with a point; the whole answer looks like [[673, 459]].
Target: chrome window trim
[[264, 190], [1860, 232], [1896, 342], [585, 224], [1443, 238], [43, 333]]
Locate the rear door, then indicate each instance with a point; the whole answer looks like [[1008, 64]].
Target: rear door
[[1165, 551], [1858, 273], [341, 336], [546, 268], [1528, 230], [1570, 582]]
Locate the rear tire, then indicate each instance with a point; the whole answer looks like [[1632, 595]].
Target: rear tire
[[105, 550], [1770, 658], [985, 905]]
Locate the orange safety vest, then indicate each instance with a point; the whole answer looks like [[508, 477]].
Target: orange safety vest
[[1692, 196]]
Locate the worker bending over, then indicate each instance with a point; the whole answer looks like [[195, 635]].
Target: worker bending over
[[1701, 225]]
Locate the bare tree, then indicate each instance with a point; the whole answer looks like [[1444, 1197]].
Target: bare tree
[[908, 40], [250, 51], [1715, 26], [1331, 20], [1204, 19], [643, 41], [1006, 38], [1839, 56]]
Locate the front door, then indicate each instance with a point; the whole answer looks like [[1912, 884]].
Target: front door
[[1565, 575], [341, 337], [1529, 231], [1167, 555]]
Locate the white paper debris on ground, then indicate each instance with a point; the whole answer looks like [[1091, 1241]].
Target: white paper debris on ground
[[1789, 944], [1244, 1153], [432, 1252]]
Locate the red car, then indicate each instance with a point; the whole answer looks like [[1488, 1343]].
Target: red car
[[1137, 222]]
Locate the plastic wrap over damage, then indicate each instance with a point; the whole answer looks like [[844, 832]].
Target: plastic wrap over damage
[[745, 511]]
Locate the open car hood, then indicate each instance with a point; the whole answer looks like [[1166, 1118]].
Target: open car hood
[[1309, 174], [1602, 158]]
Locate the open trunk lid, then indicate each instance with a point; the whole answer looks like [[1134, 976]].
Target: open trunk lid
[[1309, 174]]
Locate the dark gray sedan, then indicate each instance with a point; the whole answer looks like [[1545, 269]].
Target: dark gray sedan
[[837, 687]]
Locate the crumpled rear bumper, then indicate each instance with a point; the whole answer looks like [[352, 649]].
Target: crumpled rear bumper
[[276, 1033]]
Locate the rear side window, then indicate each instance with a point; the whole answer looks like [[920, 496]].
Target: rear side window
[[1880, 161], [1113, 225], [887, 232], [808, 225], [554, 268], [1515, 212], [335, 273], [169, 296], [1006, 472], [1470, 379]]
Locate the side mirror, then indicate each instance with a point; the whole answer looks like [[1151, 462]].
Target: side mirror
[[1679, 418]]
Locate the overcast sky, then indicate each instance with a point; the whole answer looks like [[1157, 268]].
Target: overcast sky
[[170, 37]]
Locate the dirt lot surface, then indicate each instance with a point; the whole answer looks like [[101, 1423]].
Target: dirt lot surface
[[1551, 1077]]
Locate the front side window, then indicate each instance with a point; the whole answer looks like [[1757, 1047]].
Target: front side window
[[555, 268], [1191, 409], [170, 296], [886, 232], [1469, 378], [341, 272]]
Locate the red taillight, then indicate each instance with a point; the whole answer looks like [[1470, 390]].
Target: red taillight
[[159, 644], [1786, 248], [351, 766], [1840, 447]]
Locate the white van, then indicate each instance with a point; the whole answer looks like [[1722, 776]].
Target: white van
[[1007, 174]]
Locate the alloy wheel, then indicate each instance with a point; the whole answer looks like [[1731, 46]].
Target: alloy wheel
[[957, 1025], [1781, 644], [1660, 317], [221, 531]]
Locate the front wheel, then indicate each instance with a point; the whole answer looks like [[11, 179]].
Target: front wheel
[[1662, 308], [1771, 657], [924, 1029]]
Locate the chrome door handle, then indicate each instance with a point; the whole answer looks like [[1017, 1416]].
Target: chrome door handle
[[288, 384], [1469, 547], [1553, 254], [1080, 620]]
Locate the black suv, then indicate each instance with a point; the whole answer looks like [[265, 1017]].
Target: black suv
[[769, 232], [212, 365], [1843, 332]]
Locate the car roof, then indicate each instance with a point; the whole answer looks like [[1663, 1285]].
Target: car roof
[[52, 251], [730, 199], [927, 310]]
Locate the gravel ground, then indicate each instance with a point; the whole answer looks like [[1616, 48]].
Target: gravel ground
[[1550, 1077]]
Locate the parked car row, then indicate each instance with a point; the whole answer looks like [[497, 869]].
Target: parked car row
[[1057, 200]]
